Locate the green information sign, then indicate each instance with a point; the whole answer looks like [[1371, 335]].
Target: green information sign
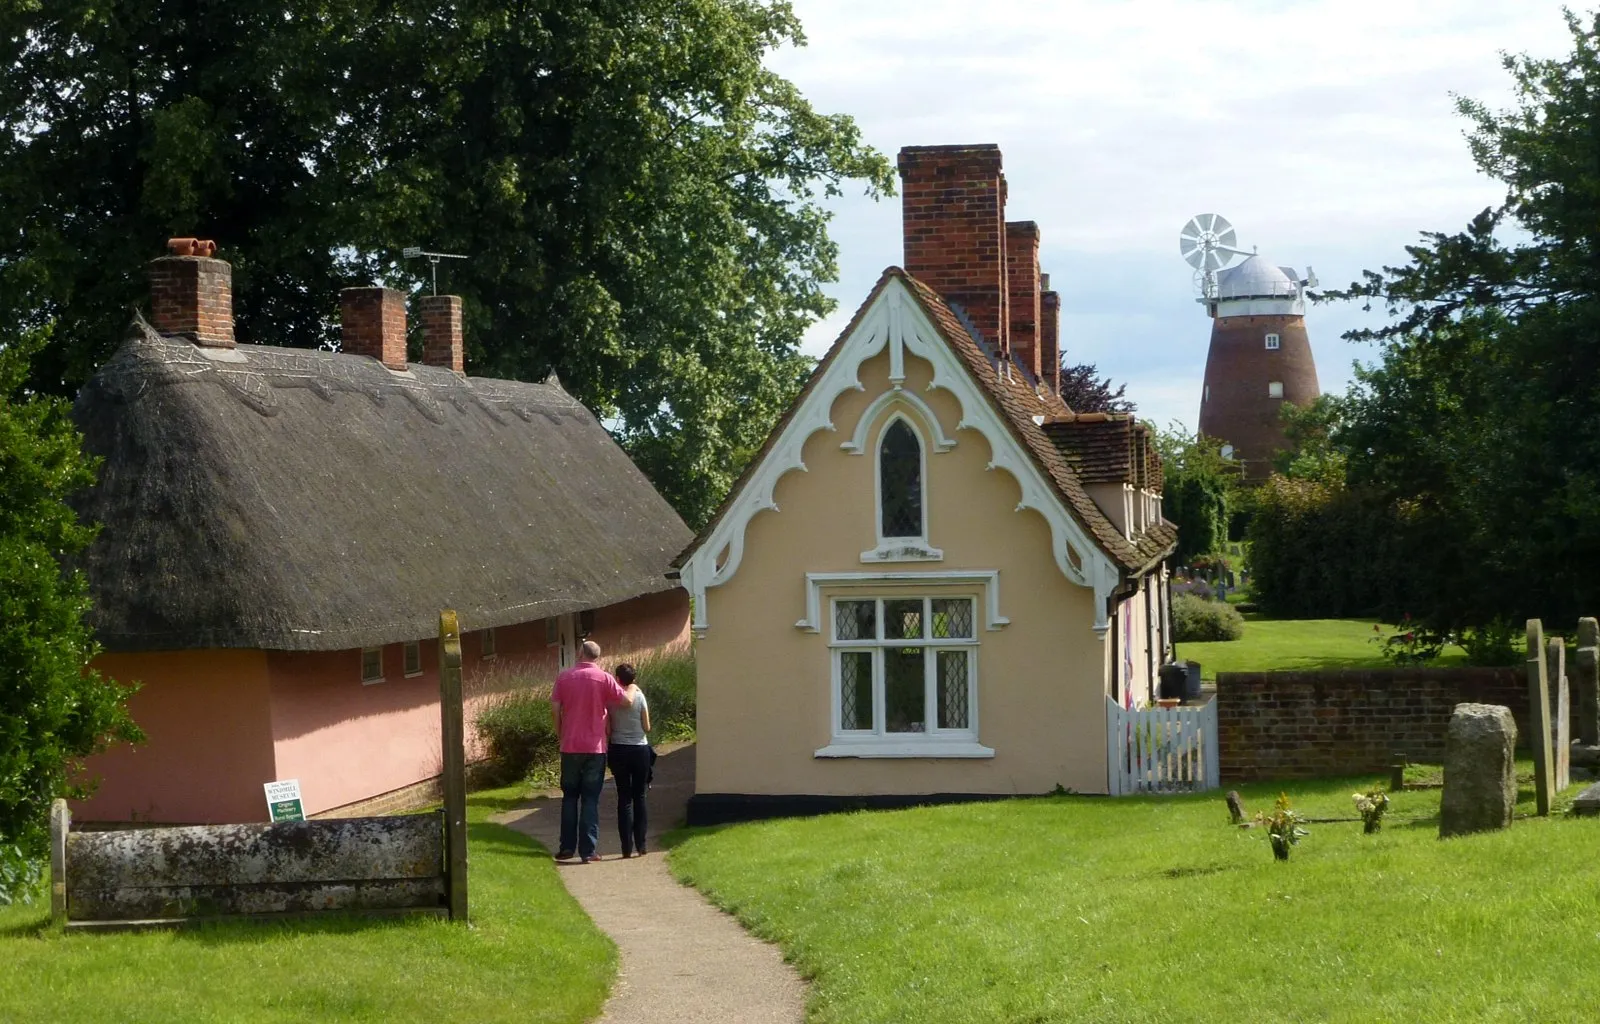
[[283, 801]]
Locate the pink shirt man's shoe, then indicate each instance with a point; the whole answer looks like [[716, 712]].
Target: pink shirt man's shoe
[[584, 691]]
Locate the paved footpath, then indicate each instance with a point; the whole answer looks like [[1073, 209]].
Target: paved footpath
[[682, 959]]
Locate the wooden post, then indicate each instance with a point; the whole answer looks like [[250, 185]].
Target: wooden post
[[1539, 718], [451, 728], [1560, 713], [60, 825]]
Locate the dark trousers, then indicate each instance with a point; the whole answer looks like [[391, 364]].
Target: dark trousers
[[583, 776], [630, 766]]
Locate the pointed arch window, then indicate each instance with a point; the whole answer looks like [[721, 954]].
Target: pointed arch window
[[900, 482]]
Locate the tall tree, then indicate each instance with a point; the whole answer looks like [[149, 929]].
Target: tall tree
[[53, 711], [637, 193], [1199, 489], [1084, 390], [1481, 423]]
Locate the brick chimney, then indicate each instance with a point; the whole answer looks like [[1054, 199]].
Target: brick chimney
[[953, 204], [442, 342], [1050, 334], [1022, 285], [191, 294], [373, 323]]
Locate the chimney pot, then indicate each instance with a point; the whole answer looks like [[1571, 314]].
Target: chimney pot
[[191, 294], [373, 323], [442, 341]]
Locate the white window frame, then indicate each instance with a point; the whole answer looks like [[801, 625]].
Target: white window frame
[[413, 655], [900, 549], [877, 742], [1275, 389], [368, 680], [487, 646], [1273, 342]]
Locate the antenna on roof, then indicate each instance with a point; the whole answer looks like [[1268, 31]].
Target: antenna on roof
[[412, 252]]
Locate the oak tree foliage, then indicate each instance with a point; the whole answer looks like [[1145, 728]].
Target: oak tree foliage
[[639, 195]]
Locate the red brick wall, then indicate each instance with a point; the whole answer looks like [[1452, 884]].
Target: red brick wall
[[953, 205], [372, 322], [1049, 337], [192, 296], [442, 341], [1303, 725], [1235, 404], [1022, 283]]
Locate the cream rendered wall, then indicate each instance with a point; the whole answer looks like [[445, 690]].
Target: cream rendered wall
[[764, 685]]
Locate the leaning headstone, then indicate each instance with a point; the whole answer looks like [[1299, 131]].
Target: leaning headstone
[[1235, 807], [1480, 781], [1539, 718], [1586, 672], [1588, 802], [1560, 713]]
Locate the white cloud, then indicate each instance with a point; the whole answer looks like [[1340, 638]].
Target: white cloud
[[1324, 130]]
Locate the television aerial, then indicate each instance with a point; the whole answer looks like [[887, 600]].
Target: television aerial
[[1207, 243]]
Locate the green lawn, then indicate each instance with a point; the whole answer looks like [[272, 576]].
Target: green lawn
[[1279, 644], [530, 955], [1154, 909]]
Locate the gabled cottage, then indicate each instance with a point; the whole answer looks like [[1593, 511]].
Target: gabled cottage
[[282, 527], [934, 574]]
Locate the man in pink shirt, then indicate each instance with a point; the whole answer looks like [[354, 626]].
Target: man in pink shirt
[[581, 696]]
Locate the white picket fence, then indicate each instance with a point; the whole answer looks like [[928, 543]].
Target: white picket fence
[[1161, 750]]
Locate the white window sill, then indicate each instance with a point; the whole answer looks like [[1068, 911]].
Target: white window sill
[[884, 747], [903, 550]]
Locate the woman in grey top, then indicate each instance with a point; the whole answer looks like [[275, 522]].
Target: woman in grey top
[[629, 756]]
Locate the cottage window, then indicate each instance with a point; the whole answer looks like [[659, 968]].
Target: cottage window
[[900, 482], [371, 665], [413, 658], [486, 645], [552, 632], [1272, 341], [904, 677]]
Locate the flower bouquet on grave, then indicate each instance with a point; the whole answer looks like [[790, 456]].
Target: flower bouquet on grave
[[1371, 805], [1285, 827]]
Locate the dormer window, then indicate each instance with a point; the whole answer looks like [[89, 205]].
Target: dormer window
[[900, 482], [1272, 341]]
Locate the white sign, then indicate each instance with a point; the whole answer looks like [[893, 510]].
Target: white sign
[[283, 800]]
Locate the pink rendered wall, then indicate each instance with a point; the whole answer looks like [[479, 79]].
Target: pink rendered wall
[[346, 741], [209, 747]]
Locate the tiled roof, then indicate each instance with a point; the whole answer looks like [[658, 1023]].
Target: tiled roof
[[1017, 401]]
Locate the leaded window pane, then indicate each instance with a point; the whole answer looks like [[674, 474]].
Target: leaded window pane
[[900, 480], [855, 690], [902, 620], [905, 695], [952, 619], [953, 690], [855, 620]]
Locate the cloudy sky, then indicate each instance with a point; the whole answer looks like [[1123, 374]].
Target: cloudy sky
[[1323, 129]]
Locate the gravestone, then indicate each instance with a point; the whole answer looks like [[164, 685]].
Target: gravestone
[[1560, 713], [1480, 782], [1539, 718], [1586, 672], [1588, 802]]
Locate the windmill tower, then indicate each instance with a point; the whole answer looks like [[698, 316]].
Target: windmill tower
[[1260, 356]]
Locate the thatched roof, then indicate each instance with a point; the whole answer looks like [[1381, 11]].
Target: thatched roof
[[299, 500]]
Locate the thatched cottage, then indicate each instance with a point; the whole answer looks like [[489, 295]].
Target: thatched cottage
[[282, 527], [934, 575]]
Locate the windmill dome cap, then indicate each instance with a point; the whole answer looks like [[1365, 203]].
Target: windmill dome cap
[[1255, 278]]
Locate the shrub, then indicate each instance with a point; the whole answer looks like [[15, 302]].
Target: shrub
[[1196, 620], [517, 731], [668, 682], [1498, 644]]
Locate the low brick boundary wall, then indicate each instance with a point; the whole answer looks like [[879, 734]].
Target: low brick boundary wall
[[1304, 725]]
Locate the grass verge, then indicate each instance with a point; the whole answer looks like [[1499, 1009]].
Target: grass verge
[[1276, 645], [531, 954], [1154, 909]]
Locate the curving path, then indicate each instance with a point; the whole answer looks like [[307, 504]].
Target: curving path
[[682, 959]]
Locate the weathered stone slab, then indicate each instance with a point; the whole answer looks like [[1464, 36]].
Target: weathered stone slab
[[1560, 713], [1588, 802], [288, 852], [1586, 682], [1480, 784], [1539, 718]]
